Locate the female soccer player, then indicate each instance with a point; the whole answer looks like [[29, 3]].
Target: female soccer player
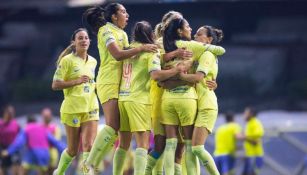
[[174, 106], [108, 23], [75, 75], [156, 94], [134, 99], [207, 108]]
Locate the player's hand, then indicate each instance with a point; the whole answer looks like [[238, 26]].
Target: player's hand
[[4, 153], [82, 79], [149, 48], [183, 53], [212, 85], [181, 68]]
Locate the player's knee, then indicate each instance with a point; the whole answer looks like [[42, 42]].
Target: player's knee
[[87, 145]]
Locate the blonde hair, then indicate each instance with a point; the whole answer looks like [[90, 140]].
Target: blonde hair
[[158, 28], [71, 47], [169, 16], [66, 51]]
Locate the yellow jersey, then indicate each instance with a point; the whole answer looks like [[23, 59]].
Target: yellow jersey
[[225, 139], [80, 98], [110, 69], [254, 130], [135, 81], [208, 64]]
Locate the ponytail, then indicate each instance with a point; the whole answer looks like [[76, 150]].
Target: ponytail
[[98, 16], [170, 34], [65, 52], [71, 48], [216, 34], [158, 32]]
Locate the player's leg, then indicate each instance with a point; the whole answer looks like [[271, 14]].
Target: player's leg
[[140, 159], [108, 95], [72, 127], [204, 124], [121, 152], [170, 149]]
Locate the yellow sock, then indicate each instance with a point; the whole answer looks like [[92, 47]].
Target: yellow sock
[[140, 161], [190, 159], [178, 169], [64, 163], [119, 161], [102, 145], [158, 169], [169, 156], [206, 159]]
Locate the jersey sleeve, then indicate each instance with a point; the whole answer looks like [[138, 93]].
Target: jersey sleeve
[[61, 70], [258, 130], [19, 141], [126, 40], [60, 146], [205, 62], [154, 62], [107, 36], [216, 50], [196, 47]]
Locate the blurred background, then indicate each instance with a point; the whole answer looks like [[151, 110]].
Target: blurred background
[[265, 64]]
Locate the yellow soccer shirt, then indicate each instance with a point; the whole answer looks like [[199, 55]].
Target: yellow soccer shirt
[[225, 139], [254, 130], [135, 82], [184, 91], [208, 64], [156, 92], [110, 69], [80, 98]]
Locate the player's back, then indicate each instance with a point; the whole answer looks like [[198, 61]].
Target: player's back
[[225, 140]]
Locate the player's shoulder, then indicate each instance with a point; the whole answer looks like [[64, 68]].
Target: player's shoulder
[[92, 59], [68, 58]]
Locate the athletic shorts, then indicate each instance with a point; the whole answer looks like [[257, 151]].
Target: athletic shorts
[[107, 92], [225, 163], [252, 164], [178, 111], [75, 120], [36, 159], [206, 118], [134, 116]]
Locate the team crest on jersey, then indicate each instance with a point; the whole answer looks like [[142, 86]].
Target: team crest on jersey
[[75, 121]]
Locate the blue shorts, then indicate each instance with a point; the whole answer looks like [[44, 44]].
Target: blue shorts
[[37, 157], [225, 163], [252, 164]]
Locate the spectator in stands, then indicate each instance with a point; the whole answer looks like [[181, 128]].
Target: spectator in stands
[[252, 143], [9, 129], [46, 115], [75, 75], [226, 144], [37, 139]]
